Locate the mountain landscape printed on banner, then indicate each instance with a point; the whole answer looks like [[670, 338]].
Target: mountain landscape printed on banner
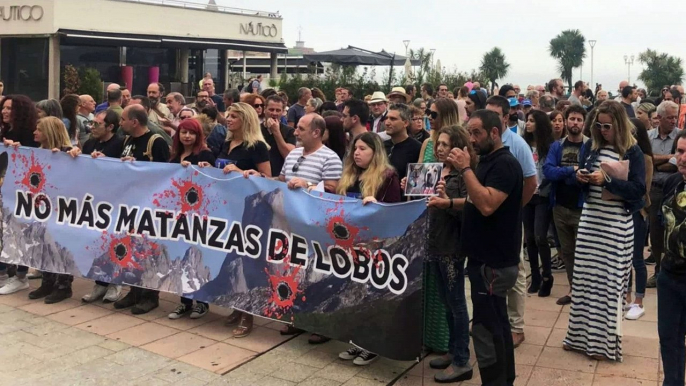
[[31, 244]]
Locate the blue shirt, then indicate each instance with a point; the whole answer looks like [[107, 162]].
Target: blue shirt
[[101, 107], [521, 151]]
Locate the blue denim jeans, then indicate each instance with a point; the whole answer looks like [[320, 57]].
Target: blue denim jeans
[[640, 231], [451, 290], [671, 327]]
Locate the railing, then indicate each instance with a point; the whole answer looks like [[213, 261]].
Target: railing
[[206, 7]]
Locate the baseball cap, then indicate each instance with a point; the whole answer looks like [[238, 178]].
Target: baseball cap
[[513, 102], [526, 102]]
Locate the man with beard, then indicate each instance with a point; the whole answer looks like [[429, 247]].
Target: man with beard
[[566, 196], [201, 100], [157, 110], [280, 137], [493, 210], [522, 152]]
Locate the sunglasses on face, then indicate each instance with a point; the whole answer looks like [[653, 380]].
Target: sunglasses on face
[[297, 164], [432, 114], [258, 105], [603, 126]]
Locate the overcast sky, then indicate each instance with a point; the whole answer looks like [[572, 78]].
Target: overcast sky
[[461, 31]]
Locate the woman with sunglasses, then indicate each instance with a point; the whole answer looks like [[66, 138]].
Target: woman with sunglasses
[[443, 112], [258, 103], [189, 148], [244, 149], [605, 238], [537, 213]]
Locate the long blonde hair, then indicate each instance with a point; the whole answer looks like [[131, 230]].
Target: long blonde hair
[[250, 124], [372, 178], [55, 132], [448, 115], [624, 140]]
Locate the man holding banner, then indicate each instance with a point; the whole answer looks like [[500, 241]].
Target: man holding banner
[[139, 145]]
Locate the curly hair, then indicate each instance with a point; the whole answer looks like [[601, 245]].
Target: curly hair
[[23, 120]]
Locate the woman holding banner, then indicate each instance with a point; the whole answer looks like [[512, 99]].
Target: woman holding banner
[[367, 175], [189, 148], [17, 123], [244, 149], [51, 134]]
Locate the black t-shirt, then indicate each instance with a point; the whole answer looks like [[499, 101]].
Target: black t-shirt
[[245, 158], [629, 110], [110, 148], [275, 158], [496, 240], [219, 101], [568, 195], [295, 113], [403, 153], [204, 156], [137, 148]]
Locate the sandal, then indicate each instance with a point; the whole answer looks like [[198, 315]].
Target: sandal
[[318, 339], [244, 328], [234, 318], [290, 330]]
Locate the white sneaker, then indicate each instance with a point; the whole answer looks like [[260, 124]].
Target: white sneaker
[[3, 280], [351, 354], [15, 284], [365, 358], [113, 293], [97, 293], [635, 312]]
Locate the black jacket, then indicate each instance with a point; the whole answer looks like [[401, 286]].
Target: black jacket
[[445, 225]]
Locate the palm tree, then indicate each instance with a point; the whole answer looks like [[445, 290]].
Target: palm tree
[[661, 69], [493, 66], [569, 48]]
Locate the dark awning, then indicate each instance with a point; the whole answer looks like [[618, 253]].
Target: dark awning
[[91, 38], [359, 57]]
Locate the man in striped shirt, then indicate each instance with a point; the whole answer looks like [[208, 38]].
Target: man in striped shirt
[[307, 166]]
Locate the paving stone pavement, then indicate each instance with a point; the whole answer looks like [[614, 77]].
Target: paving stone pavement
[[75, 344]]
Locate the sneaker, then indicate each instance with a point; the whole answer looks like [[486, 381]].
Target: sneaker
[[635, 312], [454, 373], [144, 306], [14, 284], [365, 358], [179, 312], [352, 353], [200, 310], [35, 274], [58, 294], [557, 265], [651, 283], [4, 279], [650, 260], [113, 293], [97, 293]]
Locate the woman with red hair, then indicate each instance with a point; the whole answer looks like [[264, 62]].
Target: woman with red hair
[[189, 148]]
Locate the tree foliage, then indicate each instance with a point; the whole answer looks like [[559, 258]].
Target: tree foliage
[[569, 48], [661, 69], [494, 66], [71, 80], [91, 83]]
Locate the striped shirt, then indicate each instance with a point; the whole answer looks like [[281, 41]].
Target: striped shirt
[[322, 165]]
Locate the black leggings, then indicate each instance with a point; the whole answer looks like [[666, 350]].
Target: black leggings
[[536, 216]]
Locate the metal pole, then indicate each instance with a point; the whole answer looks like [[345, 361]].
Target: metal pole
[[592, 43]]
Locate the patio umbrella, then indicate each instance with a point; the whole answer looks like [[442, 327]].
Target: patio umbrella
[[358, 57]]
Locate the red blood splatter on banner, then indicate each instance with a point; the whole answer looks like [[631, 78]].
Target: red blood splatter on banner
[[283, 286], [342, 232], [186, 196], [126, 250], [30, 173]]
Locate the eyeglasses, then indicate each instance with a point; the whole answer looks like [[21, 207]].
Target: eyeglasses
[[418, 118], [258, 105], [432, 114], [603, 126], [297, 164]]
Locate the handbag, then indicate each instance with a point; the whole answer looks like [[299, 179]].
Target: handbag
[[615, 170]]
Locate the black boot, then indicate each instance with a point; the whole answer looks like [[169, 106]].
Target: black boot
[[535, 283], [62, 289], [546, 286], [47, 285], [150, 299], [130, 299]]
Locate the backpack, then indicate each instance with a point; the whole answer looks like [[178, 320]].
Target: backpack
[[249, 88], [151, 142]]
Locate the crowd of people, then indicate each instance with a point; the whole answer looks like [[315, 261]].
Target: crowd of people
[[577, 183]]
